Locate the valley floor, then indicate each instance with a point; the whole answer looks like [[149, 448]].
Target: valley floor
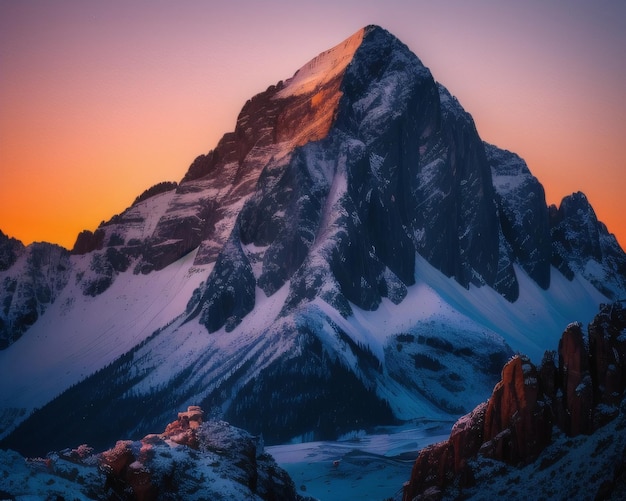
[[369, 467]]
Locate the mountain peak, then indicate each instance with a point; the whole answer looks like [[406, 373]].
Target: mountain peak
[[353, 236], [323, 68]]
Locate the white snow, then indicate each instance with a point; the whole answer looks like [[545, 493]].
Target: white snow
[[220, 352], [150, 210], [92, 332], [323, 68], [505, 184], [531, 325], [362, 466]]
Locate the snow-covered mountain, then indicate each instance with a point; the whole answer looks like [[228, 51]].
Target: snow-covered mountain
[[352, 254]]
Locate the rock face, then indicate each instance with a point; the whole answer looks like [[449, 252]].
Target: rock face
[[191, 460], [607, 354], [523, 214], [10, 249], [31, 282], [515, 425], [88, 241], [581, 244]]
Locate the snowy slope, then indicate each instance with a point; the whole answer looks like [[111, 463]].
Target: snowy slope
[[80, 334], [478, 319]]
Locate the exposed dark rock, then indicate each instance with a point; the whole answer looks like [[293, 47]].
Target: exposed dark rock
[[88, 241], [10, 249], [43, 271], [523, 213], [230, 294], [607, 354], [104, 267], [582, 244], [575, 381], [157, 189]]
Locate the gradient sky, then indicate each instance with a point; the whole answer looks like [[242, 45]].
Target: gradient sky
[[99, 100]]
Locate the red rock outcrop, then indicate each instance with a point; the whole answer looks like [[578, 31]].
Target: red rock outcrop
[[125, 468], [192, 456], [607, 354], [440, 463], [517, 408], [123, 471], [432, 471], [183, 430], [466, 438], [575, 381], [515, 424]]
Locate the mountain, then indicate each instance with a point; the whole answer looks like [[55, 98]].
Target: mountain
[[352, 254], [542, 427]]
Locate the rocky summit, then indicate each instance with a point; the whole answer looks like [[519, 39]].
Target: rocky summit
[[351, 254]]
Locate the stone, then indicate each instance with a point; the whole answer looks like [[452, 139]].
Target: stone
[[575, 381]]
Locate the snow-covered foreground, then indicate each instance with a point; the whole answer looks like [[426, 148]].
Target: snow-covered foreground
[[360, 466]]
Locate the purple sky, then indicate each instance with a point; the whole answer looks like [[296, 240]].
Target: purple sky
[[100, 100]]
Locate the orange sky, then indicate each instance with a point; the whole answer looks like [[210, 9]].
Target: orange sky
[[100, 100]]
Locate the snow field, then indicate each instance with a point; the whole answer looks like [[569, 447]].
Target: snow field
[[101, 329]]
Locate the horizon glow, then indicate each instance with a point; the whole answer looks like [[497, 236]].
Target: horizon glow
[[101, 100]]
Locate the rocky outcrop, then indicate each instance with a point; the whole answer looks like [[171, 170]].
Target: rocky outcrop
[[10, 249], [582, 244], [88, 241], [607, 354], [575, 399], [157, 189], [516, 424], [189, 458], [40, 271], [523, 213], [192, 460]]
